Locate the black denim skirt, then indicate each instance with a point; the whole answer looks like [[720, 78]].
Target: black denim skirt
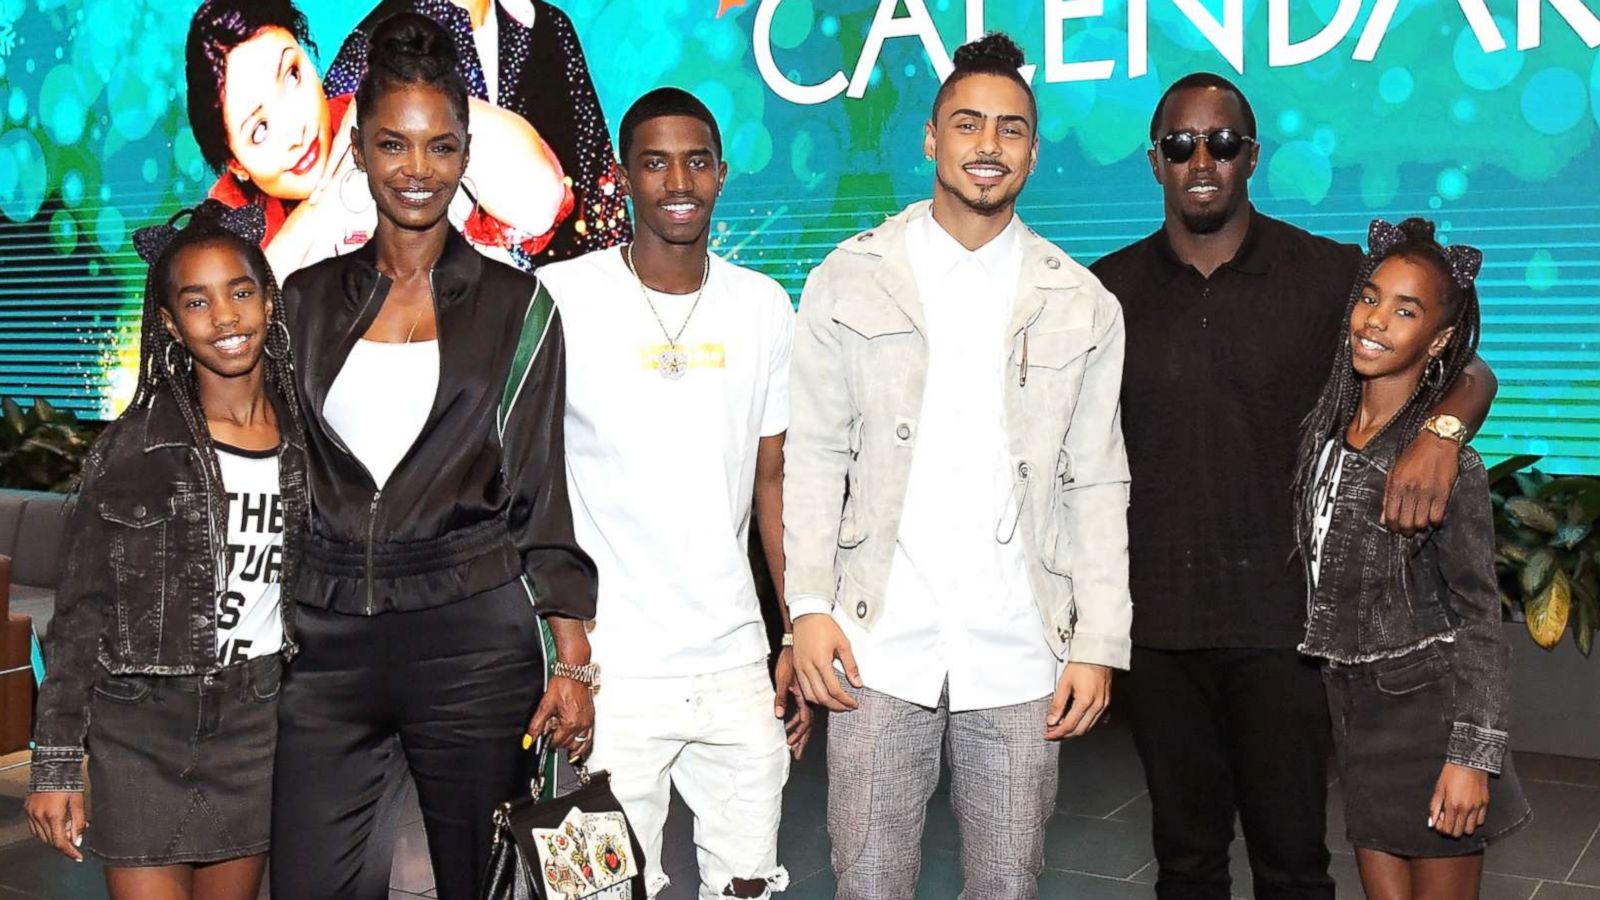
[[180, 766], [1391, 731]]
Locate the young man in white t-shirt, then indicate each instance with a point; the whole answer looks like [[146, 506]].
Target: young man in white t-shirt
[[677, 404]]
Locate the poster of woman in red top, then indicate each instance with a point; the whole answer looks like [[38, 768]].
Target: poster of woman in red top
[[263, 121]]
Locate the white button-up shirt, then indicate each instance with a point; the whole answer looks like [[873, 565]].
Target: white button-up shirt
[[958, 607]]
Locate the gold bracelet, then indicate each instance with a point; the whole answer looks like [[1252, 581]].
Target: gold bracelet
[[586, 675]]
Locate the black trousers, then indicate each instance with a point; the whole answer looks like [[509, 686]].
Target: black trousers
[[456, 685], [1225, 732]]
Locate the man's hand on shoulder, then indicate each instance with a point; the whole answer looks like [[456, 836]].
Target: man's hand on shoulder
[[1419, 485]]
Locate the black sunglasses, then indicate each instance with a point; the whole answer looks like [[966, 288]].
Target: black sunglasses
[[1223, 144]]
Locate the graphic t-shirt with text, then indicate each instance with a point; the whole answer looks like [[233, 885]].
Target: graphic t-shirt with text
[[249, 623]]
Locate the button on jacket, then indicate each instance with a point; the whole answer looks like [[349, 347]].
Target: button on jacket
[[473, 504], [860, 369], [145, 564]]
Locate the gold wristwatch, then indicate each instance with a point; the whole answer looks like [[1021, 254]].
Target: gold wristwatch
[[587, 675], [1447, 427]]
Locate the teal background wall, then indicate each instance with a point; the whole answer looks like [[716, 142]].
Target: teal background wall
[[1499, 147]]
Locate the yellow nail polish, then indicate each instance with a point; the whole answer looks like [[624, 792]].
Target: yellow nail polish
[[527, 741]]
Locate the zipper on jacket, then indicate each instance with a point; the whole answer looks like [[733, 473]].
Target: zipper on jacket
[[372, 526], [333, 433]]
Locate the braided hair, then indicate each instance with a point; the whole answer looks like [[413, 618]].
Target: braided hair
[[1341, 395], [165, 367]]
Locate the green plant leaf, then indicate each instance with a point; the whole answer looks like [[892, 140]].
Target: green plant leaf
[[1533, 514], [1513, 552], [42, 448], [1510, 464], [1529, 538], [46, 447], [1531, 481], [1549, 610], [1536, 574], [1584, 507], [1568, 484], [1585, 619], [14, 415], [1569, 536]]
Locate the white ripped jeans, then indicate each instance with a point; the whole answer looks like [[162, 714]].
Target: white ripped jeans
[[715, 739]]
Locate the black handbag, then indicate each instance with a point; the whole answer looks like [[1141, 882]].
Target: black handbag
[[578, 846]]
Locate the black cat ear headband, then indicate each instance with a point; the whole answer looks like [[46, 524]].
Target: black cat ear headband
[[248, 222], [1464, 261]]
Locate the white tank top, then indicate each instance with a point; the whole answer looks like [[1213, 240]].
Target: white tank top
[[380, 400]]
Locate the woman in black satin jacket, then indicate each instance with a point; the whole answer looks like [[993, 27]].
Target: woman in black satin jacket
[[440, 551]]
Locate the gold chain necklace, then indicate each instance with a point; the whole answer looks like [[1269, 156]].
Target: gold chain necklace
[[671, 362]]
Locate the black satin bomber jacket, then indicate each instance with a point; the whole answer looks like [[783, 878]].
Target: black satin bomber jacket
[[467, 509]]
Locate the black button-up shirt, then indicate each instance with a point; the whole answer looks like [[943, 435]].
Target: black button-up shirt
[[1220, 372]]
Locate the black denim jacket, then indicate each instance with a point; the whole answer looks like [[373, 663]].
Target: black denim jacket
[[1365, 608], [144, 565]]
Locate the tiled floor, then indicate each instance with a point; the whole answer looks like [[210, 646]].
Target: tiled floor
[[1098, 844]]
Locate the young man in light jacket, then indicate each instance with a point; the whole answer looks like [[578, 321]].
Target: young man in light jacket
[[955, 505]]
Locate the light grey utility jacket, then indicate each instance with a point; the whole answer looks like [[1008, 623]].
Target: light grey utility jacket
[[856, 388]]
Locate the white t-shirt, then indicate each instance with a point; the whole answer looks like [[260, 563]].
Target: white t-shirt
[[1323, 497], [661, 472], [380, 401], [249, 623]]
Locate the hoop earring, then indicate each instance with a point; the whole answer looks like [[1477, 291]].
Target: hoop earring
[[344, 200], [287, 343], [471, 189], [172, 370], [1435, 372]]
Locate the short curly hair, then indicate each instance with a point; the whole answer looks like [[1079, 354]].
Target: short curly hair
[[993, 54]]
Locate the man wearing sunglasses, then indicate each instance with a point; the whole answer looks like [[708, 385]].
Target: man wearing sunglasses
[[1232, 317]]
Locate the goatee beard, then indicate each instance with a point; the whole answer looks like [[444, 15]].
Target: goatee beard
[[1208, 222], [988, 202]]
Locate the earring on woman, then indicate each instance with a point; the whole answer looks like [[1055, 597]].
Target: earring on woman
[[277, 323], [344, 200], [471, 189], [172, 370]]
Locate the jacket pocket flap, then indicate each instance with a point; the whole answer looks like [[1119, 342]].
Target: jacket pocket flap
[[135, 512], [1054, 349], [872, 320]]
